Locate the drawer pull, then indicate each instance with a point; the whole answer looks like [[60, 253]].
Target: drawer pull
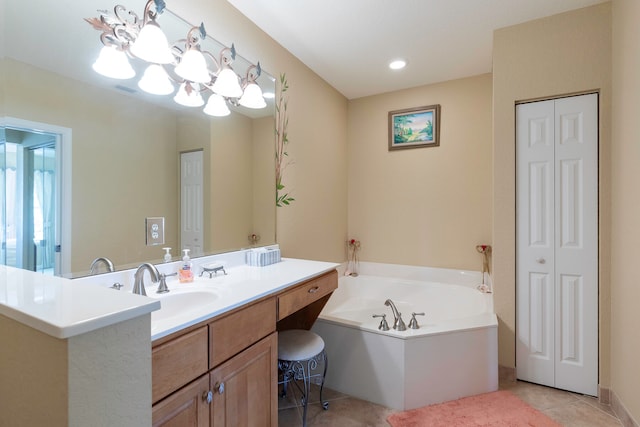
[[207, 396], [313, 290], [220, 388]]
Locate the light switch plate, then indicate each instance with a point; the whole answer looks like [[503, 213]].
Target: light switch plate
[[155, 231]]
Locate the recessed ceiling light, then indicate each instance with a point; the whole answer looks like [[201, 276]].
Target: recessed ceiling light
[[397, 64]]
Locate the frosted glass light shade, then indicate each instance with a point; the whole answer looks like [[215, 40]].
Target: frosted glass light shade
[[113, 63], [152, 45], [193, 67], [216, 106], [189, 100], [252, 97], [227, 84], [155, 80]]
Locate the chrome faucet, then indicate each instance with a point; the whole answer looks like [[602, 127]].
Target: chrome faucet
[[106, 261], [398, 323], [138, 283]]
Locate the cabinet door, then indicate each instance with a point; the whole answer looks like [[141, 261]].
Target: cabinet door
[[245, 387], [188, 407]]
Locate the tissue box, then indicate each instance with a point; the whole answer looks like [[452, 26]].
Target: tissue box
[[263, 257]]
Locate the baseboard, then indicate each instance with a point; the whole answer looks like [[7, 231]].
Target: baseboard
[[604, 395], [622, 413], [506, 374]]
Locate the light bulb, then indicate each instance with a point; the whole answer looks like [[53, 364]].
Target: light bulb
[[194, 99], [252, 97], [227, 84], [193, 67], [155, 80], [216, 106], [152, 45], [113, 63]]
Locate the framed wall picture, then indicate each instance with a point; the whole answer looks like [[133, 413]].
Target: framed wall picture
[[414, 127]]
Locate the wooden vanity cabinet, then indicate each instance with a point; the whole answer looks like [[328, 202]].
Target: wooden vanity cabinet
[[236, 385], [188, 407], [245, 387], [223, 372]]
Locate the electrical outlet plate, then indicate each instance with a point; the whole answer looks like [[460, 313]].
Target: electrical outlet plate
[[155, 231]]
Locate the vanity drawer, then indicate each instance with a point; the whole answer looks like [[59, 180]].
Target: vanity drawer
[[302, 295], [231, 334], [179, 361]]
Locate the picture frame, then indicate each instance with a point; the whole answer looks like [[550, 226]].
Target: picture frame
[[414, 127]]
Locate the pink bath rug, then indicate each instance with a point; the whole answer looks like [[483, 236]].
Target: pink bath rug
[[497, 409]]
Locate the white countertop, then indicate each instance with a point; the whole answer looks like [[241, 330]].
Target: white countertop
[[61, 308], [241, 285], [64, 308]]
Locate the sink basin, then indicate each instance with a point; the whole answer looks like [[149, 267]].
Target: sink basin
[[178, 304]]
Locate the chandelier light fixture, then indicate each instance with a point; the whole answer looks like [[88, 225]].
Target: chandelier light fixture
[[182, 63]]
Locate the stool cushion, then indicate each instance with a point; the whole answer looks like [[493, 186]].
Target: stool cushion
[[298, 344]]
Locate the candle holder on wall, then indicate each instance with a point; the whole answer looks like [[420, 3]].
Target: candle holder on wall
[[485, 250]]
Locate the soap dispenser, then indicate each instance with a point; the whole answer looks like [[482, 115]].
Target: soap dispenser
[[185, 274], [167, 255]]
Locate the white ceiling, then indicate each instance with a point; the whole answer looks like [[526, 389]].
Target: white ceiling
[[349, 43]]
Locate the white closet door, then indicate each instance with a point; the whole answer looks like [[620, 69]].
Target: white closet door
[[576, 238], [557, 243], [191, 202], [535, 347]]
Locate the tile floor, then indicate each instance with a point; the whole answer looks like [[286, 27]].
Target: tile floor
[[568, 409]]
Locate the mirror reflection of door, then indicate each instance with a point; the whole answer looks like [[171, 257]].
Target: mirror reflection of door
[[191, 202], [29, 211]]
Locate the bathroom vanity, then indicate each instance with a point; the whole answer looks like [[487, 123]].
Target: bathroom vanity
[[87, 349], [223, 372]]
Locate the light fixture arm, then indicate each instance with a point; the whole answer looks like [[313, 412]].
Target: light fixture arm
[[150, 15], [252, 74], [195, 35], [224, 57]]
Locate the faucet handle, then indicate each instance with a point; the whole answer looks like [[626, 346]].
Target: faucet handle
[[162, 287], [413, 323], [400, 325], [384, 326]]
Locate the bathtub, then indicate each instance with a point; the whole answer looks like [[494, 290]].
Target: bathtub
[[453, 354]]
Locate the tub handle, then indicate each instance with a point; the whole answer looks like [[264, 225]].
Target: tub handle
[[383, 326], [313, 290], [413, 323]]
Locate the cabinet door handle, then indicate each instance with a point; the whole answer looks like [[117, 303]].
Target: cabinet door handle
[[207, 396], [540, 260], [220, 388], [313, 290]]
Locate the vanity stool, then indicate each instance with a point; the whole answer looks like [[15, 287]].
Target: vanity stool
[[299, 352]]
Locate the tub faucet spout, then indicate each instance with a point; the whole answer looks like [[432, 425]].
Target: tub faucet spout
[[398, 323]]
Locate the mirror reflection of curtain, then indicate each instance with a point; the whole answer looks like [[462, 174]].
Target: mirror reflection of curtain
[[3, 237], [8, 184], [44, 212]]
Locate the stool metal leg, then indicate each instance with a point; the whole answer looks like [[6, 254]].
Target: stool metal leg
[[325, 404], [300, 370]]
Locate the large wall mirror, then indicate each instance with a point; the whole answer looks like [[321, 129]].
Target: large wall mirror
[[111, 155]]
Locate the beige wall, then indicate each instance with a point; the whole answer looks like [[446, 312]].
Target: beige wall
[[423, 206], [43, 384], [557, 55], [625, 232], [231, 202], [315, 225], [102, 377]]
